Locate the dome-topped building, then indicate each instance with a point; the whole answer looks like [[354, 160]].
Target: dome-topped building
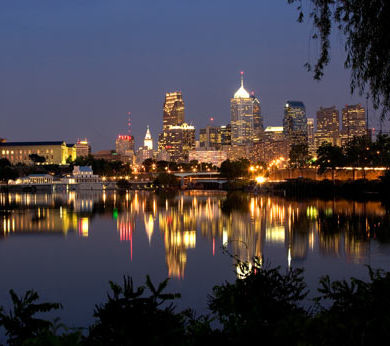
[[241, 93]]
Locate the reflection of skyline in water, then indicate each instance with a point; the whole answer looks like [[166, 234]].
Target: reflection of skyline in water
[[247, 225]]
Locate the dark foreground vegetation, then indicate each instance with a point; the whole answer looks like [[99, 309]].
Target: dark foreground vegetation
[[264, 306]]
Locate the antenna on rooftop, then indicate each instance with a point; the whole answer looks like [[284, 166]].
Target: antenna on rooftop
[[129, 123]]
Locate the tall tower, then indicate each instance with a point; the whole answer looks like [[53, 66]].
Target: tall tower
[[148, 141], [295, 122], [173, 109], [242, 116]]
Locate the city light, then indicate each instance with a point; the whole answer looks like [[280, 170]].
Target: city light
[[260, 179]]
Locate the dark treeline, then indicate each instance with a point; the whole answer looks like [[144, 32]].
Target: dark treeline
[[265, 305]]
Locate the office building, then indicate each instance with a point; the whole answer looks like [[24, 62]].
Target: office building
[[310, 136], [295, 122], [83, 148], [274, 145], [226, 134], [173, 114], [210, 137], [328, 126], [246, 121], [353, 122], [53, 152], [178, 141], [124, 147]]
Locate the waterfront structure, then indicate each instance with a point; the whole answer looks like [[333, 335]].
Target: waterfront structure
[[53, 152], [246, 122], [173, 114], [353, 122], [83, 148], [295, 122], [311, 136], [178, 141], [328, 126], [208, 155], [84, 179], [148, 141]]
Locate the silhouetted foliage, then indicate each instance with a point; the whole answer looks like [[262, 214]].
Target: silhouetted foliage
[[262, 303], [166, 180], [20, 323], [234, 169], [131, 318], [329, 157], [366, 28], [37, 158], [299, 155]]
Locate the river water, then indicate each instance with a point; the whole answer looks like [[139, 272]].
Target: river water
[[68, 246]]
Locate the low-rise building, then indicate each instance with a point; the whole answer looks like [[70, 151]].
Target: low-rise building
[[216, 157], [53, 152]]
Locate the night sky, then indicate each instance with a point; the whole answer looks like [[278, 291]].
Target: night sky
[[73, 69]]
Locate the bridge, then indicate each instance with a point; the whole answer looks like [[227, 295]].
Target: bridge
[[200, 177]]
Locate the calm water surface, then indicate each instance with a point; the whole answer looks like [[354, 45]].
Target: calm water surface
[[68, 246]]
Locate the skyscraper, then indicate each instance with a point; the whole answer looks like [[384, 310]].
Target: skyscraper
[[173, 109], [258, 126], [210, 137], [328, 126], [148, 141], [354, 122], [295, 122], [178, 141], [246, 121], [310, 136]]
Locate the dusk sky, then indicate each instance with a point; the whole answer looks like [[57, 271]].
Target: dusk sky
[[73, 69]]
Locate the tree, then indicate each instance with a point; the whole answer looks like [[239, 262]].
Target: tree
[[131, 318], [366, 28], [299, 155], [329, 157], [234, 169], [21, 323], [166, 180], [37, 158], [264, 302]]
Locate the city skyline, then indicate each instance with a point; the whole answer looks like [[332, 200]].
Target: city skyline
[[81, 80]]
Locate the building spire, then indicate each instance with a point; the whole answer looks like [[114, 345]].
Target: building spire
[[242, 79]]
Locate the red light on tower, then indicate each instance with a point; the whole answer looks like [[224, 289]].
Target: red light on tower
[[211, 119]]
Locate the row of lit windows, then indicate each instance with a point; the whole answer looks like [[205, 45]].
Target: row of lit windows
[[12, 152]]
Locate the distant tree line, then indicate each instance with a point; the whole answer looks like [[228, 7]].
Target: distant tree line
[[264, 305]]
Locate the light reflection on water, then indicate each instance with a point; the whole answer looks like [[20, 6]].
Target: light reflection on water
[[138, 231]]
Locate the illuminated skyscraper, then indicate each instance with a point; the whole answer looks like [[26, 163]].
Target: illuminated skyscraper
[[246, 121], [295, 122], [210, 137], [148, 141], [178, 141], [173, 109], [328, 126], [354, 122], [310, 135]]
